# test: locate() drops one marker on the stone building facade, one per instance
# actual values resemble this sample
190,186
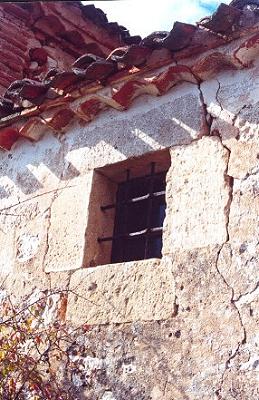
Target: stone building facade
183,326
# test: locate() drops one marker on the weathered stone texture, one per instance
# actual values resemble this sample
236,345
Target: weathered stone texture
150,124
47,170
7,251
24,233
197,196
68,215
232,101
99,223
119,293
181,328
239,258
235,110
183,357
241,378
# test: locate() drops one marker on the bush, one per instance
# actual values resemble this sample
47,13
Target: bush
34,348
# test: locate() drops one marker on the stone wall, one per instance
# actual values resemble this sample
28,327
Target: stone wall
184,327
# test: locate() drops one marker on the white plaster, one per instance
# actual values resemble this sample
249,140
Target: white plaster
252,247
50,312
108,396
27,247
251,365
3,294
248,298
87,367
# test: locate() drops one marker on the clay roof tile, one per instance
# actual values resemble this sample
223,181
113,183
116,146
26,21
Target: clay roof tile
225,20
67,58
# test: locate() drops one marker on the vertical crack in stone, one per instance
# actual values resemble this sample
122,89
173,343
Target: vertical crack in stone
217,95
229,182
207,116
48,229
244,335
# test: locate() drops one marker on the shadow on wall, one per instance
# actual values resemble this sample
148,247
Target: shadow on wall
151,124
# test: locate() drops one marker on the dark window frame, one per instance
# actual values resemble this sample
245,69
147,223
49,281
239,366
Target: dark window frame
151,202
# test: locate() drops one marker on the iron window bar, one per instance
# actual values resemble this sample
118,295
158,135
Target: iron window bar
125,215
149,210
121,235
151,231
134,200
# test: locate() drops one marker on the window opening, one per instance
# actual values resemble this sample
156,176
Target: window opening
139,216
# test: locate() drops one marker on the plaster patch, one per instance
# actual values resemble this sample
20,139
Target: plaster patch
108,396
27,247
251,365
3,295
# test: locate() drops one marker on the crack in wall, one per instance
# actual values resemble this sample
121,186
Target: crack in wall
244,334
229,182
48,229
248,296
217,95
228,179
207,115
35,197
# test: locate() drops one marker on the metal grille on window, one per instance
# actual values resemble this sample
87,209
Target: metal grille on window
139,216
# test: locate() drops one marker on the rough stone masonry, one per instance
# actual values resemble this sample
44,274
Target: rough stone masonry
183,327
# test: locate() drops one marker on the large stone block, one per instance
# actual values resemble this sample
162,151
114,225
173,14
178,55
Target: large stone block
197,196
67,225
141,290
152,123
99,223
31,228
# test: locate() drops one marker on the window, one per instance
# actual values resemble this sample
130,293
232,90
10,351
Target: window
139,216
127,210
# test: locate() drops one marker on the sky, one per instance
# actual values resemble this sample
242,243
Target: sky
143,17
